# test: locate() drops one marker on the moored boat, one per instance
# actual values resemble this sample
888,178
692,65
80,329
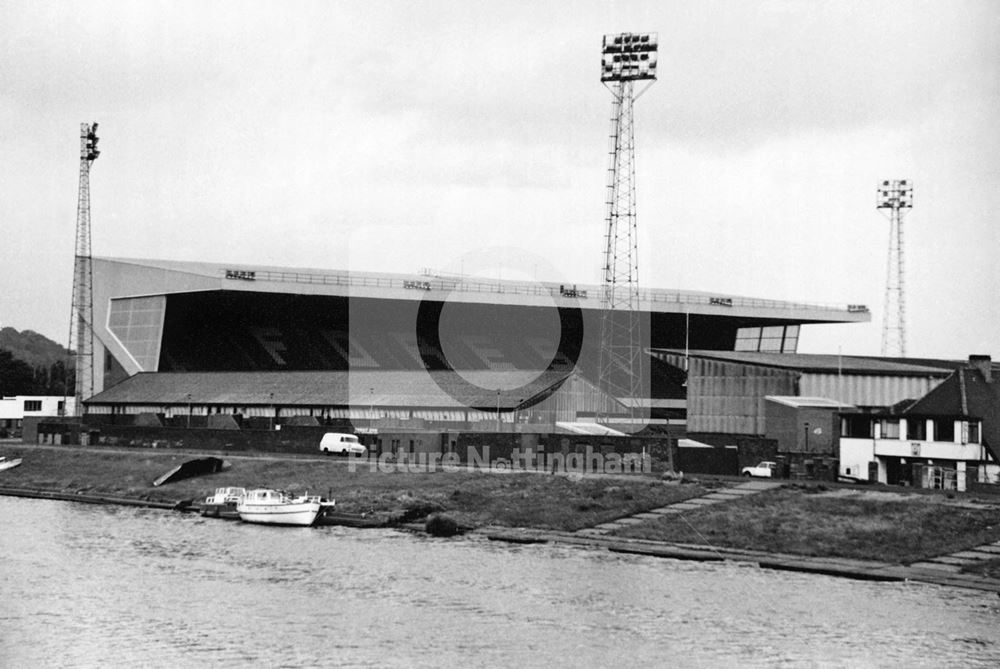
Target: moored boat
276,507
223,503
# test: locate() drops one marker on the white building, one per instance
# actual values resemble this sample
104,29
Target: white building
947,439
13,410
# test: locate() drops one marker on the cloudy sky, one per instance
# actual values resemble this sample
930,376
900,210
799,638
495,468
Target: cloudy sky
394,136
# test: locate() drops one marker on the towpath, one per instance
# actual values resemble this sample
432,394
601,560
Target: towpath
739,491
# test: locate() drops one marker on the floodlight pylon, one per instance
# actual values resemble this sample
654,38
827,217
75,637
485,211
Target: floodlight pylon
82,316
893,197
626,58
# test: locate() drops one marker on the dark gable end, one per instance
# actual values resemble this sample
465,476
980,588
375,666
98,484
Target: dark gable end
944,400
966,394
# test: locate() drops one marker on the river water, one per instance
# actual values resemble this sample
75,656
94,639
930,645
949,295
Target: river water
98,586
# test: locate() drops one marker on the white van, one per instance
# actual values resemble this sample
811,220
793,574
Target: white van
338,442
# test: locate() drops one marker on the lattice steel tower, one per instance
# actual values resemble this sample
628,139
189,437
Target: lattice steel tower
894,196
81,332
626,58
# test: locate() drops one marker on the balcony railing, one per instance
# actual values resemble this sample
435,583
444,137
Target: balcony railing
590,295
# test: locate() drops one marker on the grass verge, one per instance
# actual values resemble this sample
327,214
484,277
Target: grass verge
472,498
880,526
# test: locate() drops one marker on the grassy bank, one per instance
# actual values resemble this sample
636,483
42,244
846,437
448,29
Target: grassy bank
472,498
810,520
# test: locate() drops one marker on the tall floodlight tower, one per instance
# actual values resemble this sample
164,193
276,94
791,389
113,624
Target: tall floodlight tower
893,197
82,317
626,59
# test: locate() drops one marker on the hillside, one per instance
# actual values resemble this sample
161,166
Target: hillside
32,364
35,349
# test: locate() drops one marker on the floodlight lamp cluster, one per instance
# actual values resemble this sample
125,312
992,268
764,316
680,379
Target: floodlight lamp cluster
628,56
895,195
90,151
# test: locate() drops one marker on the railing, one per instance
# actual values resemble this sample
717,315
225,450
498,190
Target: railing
460,283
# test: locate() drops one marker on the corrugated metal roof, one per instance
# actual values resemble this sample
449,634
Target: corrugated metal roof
416,388
821,363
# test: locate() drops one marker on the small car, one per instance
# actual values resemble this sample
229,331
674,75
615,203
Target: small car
762,469
342,444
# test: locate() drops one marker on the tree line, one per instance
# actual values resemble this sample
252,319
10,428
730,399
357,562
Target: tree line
17,377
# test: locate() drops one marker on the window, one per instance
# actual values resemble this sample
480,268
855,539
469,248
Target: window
944,430
856,427
973,432
916,429
32,405
791,339
138,322
889,428
747,339
771,338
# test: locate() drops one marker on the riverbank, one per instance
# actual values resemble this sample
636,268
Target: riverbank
472,498
871,533
818,520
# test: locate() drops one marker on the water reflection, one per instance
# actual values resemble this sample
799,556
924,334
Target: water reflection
104,586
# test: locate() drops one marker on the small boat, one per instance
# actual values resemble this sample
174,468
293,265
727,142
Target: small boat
192,468
223,503
9,464
276,507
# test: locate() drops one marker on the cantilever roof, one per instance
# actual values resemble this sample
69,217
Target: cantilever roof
182,276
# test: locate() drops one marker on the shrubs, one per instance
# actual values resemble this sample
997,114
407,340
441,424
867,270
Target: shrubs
440,525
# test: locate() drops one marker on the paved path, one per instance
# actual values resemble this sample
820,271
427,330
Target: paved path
751,487
843,567
953,563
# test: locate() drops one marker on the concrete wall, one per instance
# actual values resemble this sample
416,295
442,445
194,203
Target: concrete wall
855,454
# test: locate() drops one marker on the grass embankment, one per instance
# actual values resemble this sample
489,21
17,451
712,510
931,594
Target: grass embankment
471,498
811,520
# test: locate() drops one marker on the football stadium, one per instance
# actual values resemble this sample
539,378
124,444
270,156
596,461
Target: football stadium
448,351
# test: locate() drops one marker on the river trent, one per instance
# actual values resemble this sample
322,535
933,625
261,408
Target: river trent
93,586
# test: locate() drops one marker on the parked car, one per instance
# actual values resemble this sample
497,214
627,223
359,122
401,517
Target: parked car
762,469
342,444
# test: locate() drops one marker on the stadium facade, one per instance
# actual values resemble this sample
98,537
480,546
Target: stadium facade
466,344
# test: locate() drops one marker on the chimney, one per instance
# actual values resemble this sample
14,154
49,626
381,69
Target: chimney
984,364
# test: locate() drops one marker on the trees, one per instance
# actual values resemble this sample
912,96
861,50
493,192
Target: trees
19,378
16,376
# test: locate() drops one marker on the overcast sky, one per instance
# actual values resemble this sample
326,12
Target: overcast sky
394,136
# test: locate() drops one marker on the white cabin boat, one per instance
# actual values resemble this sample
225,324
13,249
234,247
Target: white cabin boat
223,503
276,507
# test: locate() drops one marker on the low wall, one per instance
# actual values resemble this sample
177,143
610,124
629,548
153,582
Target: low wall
467,446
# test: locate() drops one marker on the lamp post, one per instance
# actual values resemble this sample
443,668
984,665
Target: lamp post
273,412
498,409
189,411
